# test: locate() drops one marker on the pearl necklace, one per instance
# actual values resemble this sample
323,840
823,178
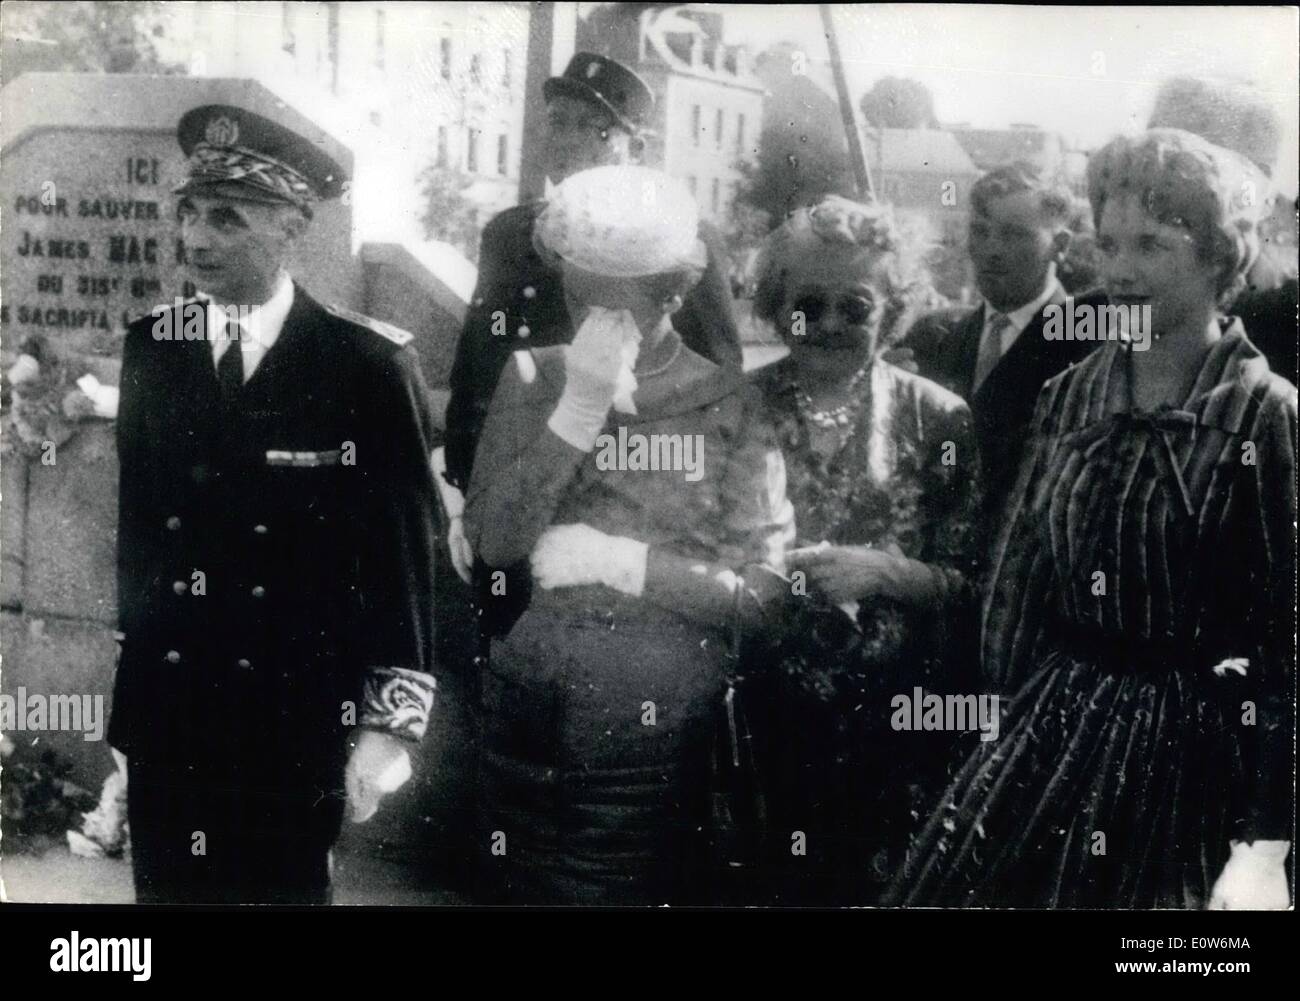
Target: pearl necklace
677,349
837,417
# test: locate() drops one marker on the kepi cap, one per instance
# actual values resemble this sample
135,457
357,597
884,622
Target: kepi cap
240,154
609,85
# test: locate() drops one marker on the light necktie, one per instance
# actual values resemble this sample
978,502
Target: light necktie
990,352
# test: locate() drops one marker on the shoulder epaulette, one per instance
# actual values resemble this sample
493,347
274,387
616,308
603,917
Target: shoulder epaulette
386,330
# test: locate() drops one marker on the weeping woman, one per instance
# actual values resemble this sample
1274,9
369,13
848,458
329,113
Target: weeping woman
622,489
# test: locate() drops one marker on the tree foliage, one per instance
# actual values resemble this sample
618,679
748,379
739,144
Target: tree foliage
802,151
103,36
898,103
449,214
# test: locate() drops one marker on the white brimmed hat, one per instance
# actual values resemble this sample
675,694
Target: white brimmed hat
623,222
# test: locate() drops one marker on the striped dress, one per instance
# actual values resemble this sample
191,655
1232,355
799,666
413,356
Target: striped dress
1140,621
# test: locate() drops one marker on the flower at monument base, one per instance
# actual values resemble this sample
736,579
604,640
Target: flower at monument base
43,403
104,830
37,799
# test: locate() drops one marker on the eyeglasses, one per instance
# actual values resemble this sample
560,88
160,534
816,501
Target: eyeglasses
854,309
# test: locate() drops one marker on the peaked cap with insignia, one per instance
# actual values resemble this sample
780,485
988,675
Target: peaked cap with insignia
609,85
239,154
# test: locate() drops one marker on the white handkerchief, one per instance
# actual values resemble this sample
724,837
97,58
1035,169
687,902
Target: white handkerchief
627,384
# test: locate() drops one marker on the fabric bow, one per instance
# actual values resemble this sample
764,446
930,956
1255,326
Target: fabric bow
1155,423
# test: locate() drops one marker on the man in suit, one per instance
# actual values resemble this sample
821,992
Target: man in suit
996,356
596,115
275,543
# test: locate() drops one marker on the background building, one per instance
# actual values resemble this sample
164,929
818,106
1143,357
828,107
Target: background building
406,85
708,103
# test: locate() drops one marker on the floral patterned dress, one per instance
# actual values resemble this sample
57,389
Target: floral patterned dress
835,768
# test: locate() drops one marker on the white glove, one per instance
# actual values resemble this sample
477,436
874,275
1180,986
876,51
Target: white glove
592,366
574,555
462,553
1253,878
379,764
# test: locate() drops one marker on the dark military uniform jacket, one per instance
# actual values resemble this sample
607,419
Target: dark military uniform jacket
275,554
519,302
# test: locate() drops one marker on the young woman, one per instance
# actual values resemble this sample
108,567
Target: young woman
1141,614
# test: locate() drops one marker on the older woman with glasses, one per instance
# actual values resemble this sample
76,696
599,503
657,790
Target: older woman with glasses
1141,614
881,471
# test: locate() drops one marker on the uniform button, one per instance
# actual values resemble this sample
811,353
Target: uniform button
259,591
260,529
173,657
244,663
524,331
530,292
180,587
173,524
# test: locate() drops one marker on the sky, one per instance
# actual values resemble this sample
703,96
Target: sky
1085,72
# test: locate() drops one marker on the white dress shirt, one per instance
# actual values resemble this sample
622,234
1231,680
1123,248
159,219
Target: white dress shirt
259,328
1021,317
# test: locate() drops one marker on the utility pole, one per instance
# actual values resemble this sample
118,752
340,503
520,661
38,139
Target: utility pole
861,174
552,28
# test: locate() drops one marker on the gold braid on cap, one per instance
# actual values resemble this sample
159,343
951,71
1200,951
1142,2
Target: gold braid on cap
209,164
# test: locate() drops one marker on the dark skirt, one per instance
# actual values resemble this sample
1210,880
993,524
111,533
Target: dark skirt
1106,789
597,730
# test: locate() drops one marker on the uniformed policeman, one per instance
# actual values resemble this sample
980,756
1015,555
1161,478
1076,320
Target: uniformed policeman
596,115
275,543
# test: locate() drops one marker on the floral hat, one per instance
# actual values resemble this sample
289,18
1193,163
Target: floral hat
623,222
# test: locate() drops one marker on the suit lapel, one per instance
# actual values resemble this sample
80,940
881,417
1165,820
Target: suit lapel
967,349
278,379
1031,353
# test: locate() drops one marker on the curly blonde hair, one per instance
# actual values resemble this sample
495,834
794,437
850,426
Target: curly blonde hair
1184,180
870,230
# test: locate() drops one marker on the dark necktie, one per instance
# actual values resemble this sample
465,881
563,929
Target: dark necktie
230,369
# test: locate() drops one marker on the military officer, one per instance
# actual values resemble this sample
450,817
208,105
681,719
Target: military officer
275,544
596,115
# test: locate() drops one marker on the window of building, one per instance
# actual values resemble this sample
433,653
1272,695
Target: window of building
690,183
715,195
695,124
442,146
471,151
476,69
506,79
717,127
379,39
503,151
740,135
444,58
